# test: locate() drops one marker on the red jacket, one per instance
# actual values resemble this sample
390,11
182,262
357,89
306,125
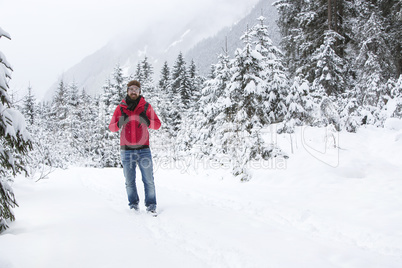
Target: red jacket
135,133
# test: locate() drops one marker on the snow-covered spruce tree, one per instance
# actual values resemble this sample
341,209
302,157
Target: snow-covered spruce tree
394,104
213,109
167,111
329,67
89,136
148,88
177,110
247,91
43,158
350,115
330,79
274,73
374,67
302,24
299,105
180,83
118,87
29,109
147,71
196,83
190,125
59,125
111,97
165,90
291,31
74,122
14,142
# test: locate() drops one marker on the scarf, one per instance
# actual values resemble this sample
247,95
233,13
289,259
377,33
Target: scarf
132,104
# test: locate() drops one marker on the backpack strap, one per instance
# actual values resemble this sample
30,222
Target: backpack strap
146,107
145,110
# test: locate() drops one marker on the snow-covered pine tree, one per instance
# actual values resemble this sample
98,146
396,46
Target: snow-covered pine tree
138,72
89,136
148,89
330,73
59,125
350,115
177,110
29,107
291,29
297,99
165,93
374,66
196,82
109,146
247,91
274,73
43,158
394,103
147,71
14,142
74,122
180,84
213,109
166,108
164,81
118,89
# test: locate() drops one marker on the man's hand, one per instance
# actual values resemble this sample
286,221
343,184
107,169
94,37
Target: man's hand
123,119
144,118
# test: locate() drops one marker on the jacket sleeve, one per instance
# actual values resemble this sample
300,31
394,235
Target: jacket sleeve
115,118
155,123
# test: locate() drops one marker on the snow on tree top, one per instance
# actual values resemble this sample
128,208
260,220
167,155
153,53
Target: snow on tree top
4,33
15,123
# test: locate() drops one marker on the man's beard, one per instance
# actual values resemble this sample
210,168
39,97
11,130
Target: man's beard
134,96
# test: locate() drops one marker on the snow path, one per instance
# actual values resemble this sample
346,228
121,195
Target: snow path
306,215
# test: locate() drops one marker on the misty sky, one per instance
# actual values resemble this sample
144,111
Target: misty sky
48,37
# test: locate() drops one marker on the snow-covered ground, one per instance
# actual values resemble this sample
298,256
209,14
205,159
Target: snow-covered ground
322,207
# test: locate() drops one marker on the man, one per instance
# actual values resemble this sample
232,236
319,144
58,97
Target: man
134,116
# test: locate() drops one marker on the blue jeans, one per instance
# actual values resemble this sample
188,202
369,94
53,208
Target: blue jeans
130,159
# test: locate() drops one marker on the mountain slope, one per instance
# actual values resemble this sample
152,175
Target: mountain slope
205,52
160,41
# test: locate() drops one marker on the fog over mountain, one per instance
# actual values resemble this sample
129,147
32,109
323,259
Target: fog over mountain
205,52
199,38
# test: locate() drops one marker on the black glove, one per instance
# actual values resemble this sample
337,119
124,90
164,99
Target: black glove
144,119
123,119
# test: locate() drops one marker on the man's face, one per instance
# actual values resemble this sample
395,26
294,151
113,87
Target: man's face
133,92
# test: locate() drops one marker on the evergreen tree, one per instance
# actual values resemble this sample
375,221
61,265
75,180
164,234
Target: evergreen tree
112,96
179,68
29,107
329,67
146,71
164,81
74,122
273,73
59,124
247,91
14,142
178,88
196,82
374,62
210,118
147,84
118,89
139,73
180,84
299,105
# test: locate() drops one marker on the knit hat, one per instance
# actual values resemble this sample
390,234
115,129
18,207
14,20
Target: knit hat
133,83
